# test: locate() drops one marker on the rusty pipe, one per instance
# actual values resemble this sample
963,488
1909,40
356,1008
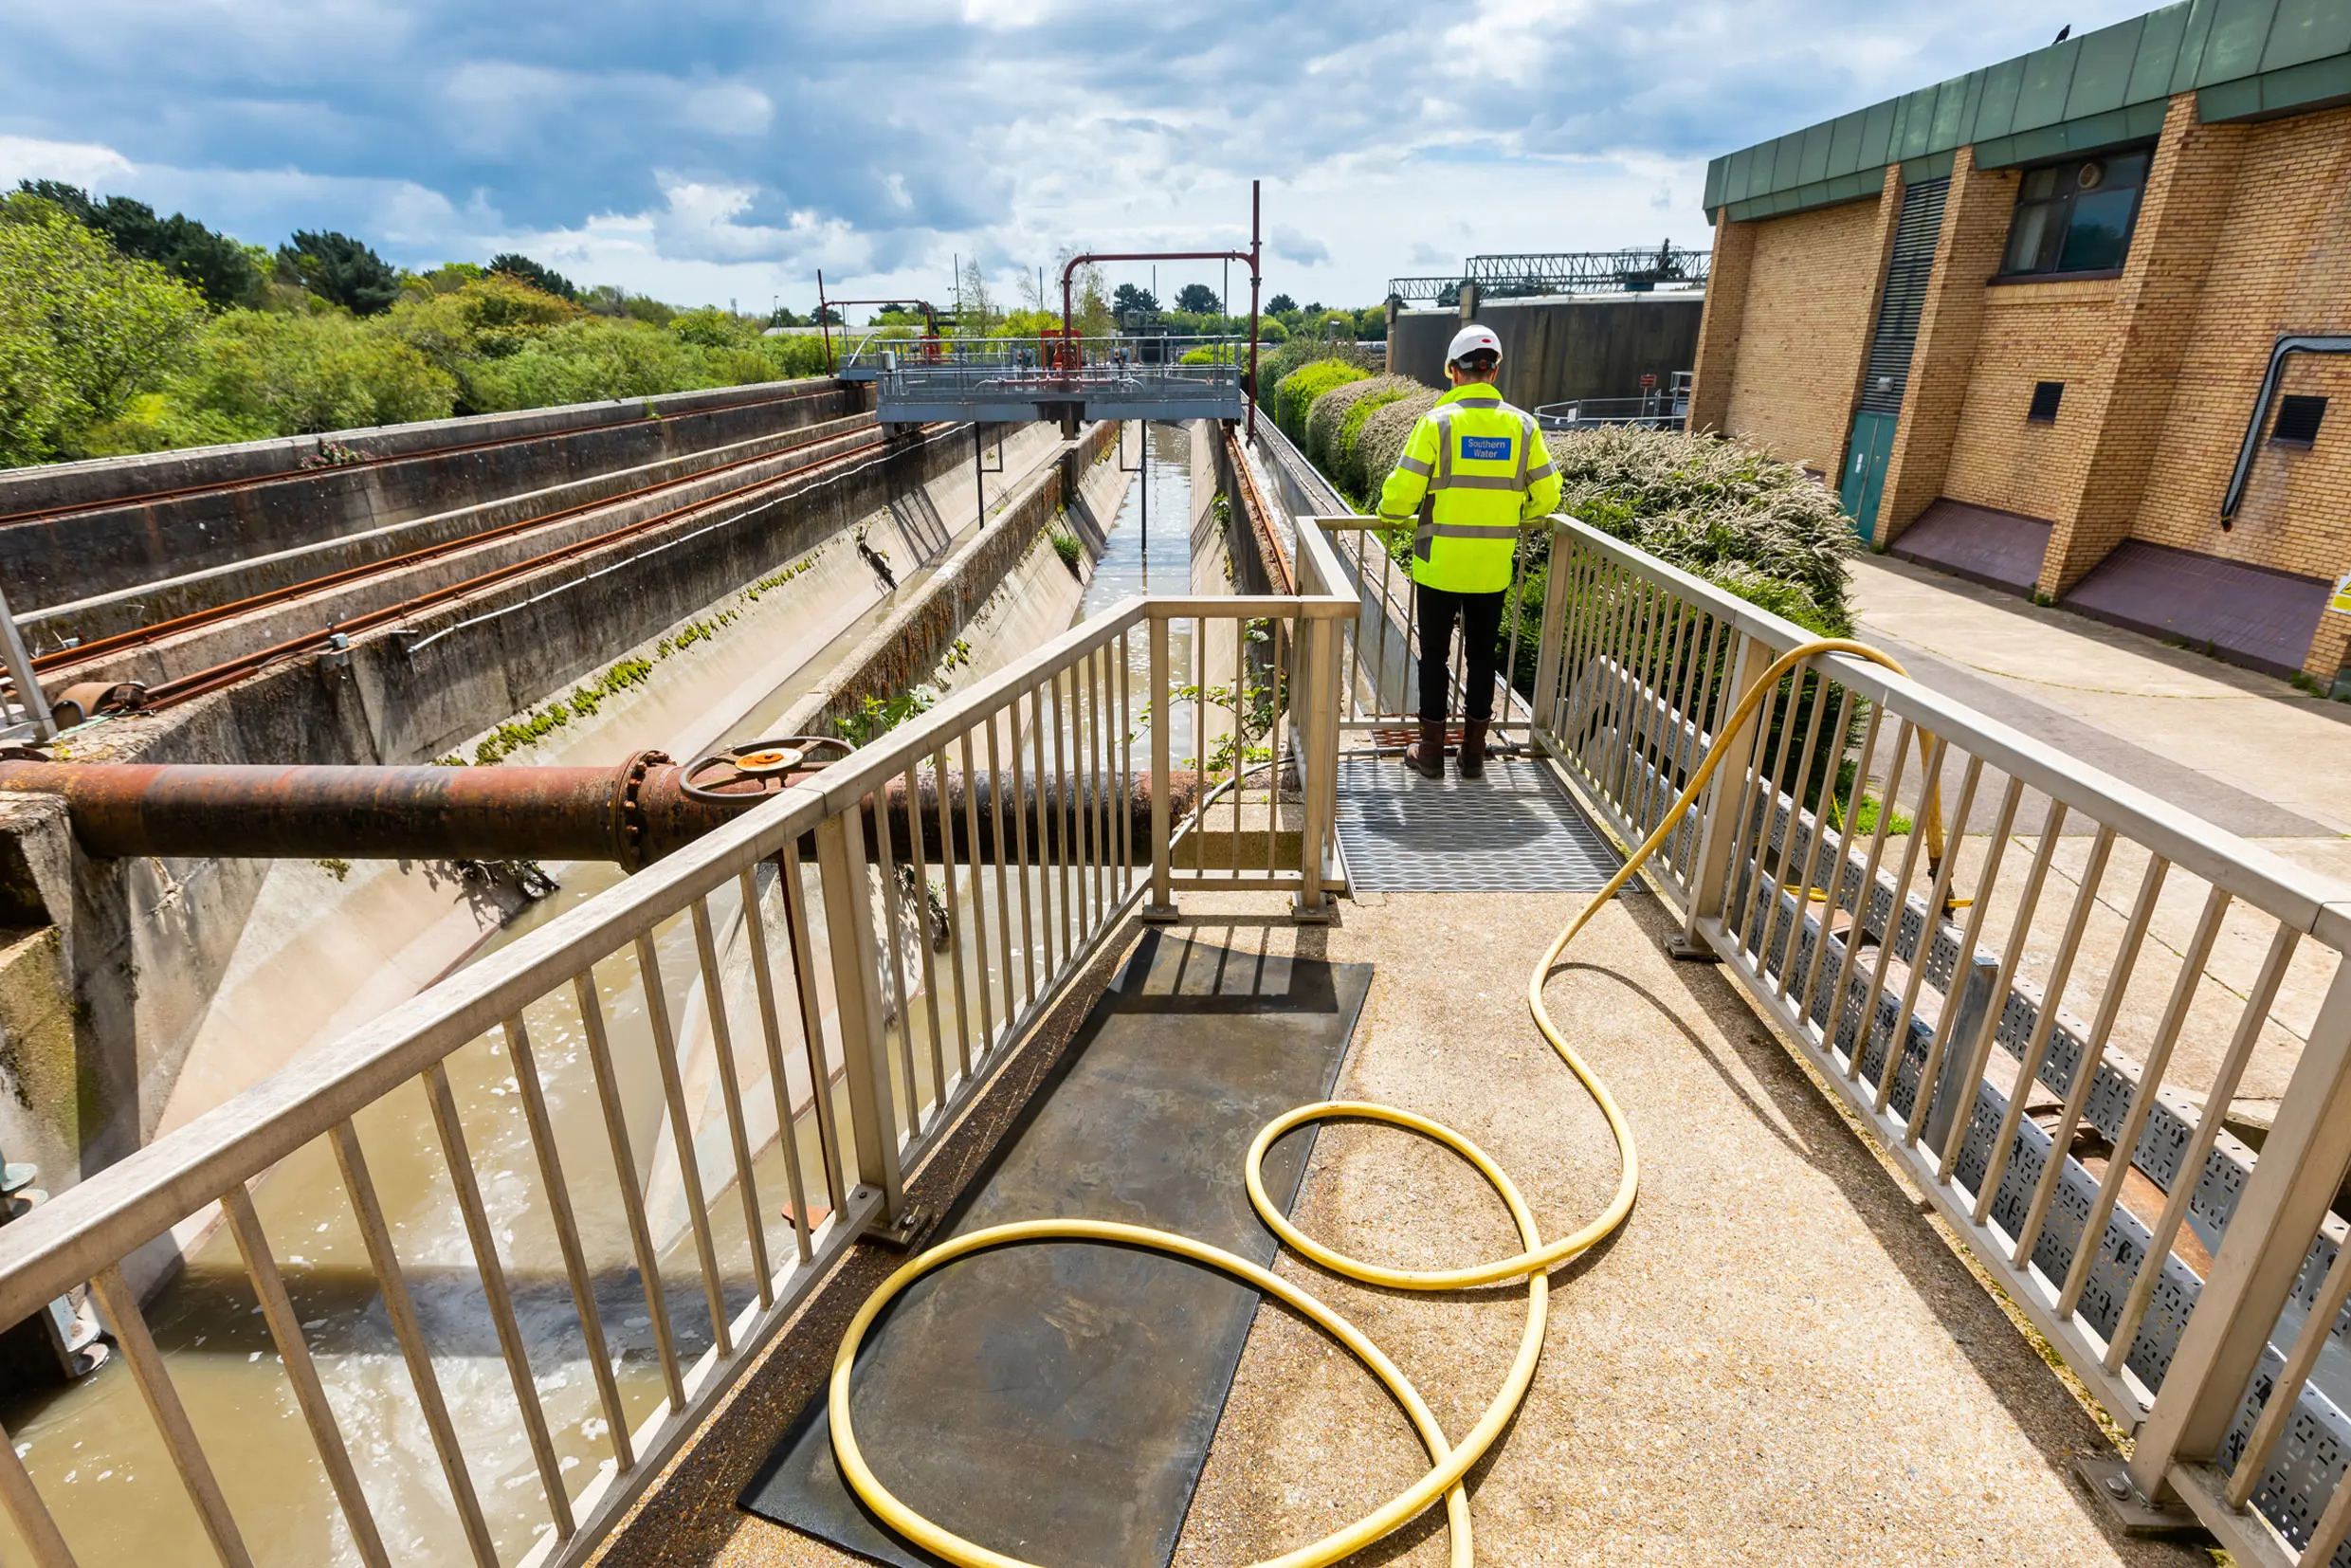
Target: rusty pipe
633,814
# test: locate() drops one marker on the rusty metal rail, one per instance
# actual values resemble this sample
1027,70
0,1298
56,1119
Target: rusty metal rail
284,476
200,682
63,659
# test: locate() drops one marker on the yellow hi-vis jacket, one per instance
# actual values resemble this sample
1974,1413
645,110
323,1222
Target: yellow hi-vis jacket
1473,469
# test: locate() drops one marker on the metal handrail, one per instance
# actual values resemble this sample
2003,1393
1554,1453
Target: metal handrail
1068,709
1640,659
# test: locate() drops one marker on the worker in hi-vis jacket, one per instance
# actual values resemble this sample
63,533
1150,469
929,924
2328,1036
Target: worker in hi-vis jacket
1474,470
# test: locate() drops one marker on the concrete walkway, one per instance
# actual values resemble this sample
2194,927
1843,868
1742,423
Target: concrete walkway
2247,751
1780,1359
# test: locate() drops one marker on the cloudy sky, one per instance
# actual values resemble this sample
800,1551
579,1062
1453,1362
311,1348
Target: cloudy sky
726,149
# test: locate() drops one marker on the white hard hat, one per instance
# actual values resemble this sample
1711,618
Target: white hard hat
1470,340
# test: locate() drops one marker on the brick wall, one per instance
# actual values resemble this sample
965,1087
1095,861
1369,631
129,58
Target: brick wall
2128,396
1813,283
2281,264
2031,331
1728,276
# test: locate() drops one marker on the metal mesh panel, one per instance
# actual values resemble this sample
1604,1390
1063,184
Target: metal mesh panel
1515,829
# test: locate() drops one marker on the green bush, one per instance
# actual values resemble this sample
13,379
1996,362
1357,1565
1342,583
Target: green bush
83,329
1735,516
1327,418
262,375
1295,395
1381,440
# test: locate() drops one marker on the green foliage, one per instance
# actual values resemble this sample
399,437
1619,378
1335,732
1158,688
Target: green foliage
711,328
878,716
523,269
256,374
1295,394
83,329
340,270
1380,442
106,346
212,263
1281,304
1729,513
1067,546
1198,299
1128,297
1328,431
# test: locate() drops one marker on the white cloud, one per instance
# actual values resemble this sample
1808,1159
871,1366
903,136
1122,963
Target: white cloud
75,162
1291,243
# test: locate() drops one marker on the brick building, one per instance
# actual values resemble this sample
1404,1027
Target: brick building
2077,324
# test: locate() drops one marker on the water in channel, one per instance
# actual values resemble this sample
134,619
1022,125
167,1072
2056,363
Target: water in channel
94,1451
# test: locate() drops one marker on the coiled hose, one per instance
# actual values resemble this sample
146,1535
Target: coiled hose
1448,1462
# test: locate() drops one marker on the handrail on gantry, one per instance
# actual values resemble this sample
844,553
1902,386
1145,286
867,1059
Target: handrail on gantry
1069,270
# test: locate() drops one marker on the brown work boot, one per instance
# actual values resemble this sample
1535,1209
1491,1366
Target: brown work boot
1472,759
1426,755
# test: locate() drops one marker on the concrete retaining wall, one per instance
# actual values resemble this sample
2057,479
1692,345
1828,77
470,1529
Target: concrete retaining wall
269,507
1555,349
904,651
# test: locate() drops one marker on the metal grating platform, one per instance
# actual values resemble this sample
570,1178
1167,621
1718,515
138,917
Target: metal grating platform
1515,829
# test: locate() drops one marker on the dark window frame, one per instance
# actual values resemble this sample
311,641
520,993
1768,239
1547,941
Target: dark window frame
2033,412
2291,405
2051,214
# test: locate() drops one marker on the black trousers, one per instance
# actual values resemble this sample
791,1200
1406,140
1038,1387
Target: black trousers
1480,621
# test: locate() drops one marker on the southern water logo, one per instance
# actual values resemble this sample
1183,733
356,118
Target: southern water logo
1485,449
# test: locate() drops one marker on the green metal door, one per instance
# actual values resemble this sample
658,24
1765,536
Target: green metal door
1865,469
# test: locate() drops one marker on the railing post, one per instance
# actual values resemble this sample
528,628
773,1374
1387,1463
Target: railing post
854,945
1161,905
2300,1168
1318,752
1718,809
1544,701
29,693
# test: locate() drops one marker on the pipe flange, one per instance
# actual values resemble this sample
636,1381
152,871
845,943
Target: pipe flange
750,769
630,827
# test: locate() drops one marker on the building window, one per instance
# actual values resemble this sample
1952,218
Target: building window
2044,396
2076,216
2297,421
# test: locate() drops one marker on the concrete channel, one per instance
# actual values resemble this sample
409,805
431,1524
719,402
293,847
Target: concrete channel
858,601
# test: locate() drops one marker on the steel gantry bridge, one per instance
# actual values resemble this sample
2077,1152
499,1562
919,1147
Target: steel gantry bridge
1520,274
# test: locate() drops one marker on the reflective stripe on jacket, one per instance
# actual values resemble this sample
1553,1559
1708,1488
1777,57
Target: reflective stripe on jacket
1473,471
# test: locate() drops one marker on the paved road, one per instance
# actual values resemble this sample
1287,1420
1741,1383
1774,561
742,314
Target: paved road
2248,752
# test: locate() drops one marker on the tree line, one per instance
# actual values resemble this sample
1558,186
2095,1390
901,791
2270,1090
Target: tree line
124,331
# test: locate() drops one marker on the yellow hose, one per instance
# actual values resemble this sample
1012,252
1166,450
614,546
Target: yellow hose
1447,1462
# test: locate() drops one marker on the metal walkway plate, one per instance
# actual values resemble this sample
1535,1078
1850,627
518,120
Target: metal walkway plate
1514,831
1057,1401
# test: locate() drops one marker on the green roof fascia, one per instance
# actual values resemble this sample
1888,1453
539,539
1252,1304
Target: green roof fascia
2296,89
2243,58
1855,186
1935,166
2139,123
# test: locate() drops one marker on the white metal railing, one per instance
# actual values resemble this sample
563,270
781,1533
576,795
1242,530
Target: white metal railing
1928,958
892,963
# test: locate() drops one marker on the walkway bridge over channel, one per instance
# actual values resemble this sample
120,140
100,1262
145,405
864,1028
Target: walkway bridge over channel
1968,1012
1056,380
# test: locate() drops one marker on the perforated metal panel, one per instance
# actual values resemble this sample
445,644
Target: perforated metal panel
1515,829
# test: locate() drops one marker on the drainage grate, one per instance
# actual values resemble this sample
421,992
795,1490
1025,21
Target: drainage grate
1516,830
